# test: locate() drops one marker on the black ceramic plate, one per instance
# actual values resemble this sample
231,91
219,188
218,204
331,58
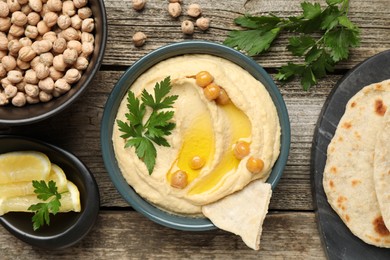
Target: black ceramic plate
338,241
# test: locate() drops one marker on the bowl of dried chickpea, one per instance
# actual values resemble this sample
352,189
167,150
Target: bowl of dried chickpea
50,50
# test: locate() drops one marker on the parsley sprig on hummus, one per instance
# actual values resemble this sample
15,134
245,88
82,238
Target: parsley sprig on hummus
143,133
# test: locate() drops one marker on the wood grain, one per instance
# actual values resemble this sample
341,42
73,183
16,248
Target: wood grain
128,235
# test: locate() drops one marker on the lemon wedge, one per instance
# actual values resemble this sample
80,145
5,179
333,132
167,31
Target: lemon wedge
23,166
70,201
25,188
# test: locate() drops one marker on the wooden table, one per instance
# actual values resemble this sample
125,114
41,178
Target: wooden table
290,229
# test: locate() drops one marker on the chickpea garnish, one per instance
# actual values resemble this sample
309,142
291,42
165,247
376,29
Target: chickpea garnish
203,79
212,91
254,165
223,98
241,149
179,179
197,162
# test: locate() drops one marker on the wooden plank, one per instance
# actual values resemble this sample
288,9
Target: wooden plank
161,29
78,130
127,234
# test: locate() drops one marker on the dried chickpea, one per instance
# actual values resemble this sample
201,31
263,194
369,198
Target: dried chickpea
42,27
46,84
138,5
23,2
197,162
5,82
241,149
23,65
5,24
3,99
80,3
179,179
26,53
13,46
87,37
10,91
59,45
58,63
42,46
20,86
139,39
3,43
42,70
54,5
50,19
8,62
46,58
254,165
75,45
50,36
31,90
70,56
212,91
36,5
70,34
55,74
76,22
45,9
31,31
68,8
14,76
25,41
45,97
203,78
3,72
33,18
34,62
18,18
30,77
174,9
32,100
16,30
26,9
194,10
64,21
87,49
61,86
13,5
2,54
203,23
81,63
72,76
84,12
187,27
19,99
4,9
87,25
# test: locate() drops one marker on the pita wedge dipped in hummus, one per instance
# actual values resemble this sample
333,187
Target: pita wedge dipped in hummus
226,134
349,172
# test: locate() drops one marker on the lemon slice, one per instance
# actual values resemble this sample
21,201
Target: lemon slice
25,188
70,201
23,166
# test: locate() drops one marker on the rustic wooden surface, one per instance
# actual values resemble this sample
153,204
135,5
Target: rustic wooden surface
290,229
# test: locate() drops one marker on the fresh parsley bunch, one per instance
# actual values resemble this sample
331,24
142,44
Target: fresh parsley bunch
324,37
143,134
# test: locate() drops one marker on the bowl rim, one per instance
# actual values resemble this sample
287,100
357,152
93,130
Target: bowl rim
87,217
123,85
89,78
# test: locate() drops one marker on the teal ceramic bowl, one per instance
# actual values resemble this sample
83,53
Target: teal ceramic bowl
120,90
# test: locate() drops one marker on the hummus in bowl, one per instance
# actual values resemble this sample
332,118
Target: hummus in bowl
254,114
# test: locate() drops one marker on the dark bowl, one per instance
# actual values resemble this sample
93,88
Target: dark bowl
120,90
10,115
65,229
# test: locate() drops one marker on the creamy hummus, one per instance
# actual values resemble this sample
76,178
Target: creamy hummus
205,129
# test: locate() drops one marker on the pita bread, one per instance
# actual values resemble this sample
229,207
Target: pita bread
243,212
348,175
382,170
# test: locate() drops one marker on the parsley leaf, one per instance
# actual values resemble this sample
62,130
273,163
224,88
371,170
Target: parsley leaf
143,134
42,210
324,37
